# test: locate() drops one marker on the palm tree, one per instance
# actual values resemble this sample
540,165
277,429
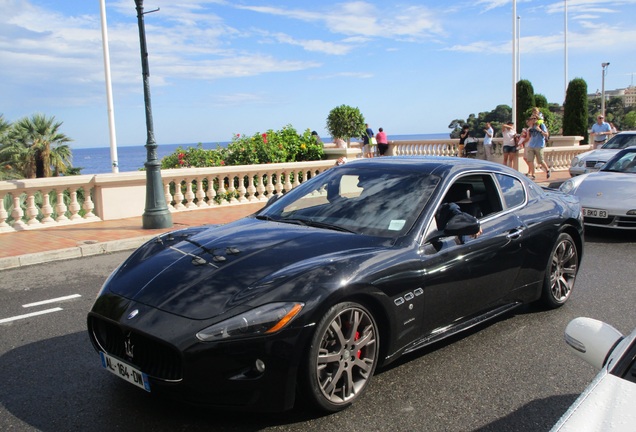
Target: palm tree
35,147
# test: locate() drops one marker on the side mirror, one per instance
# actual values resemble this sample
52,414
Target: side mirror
599,165
592,340
462,224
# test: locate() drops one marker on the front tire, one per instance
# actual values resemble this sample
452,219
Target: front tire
561,272
342,357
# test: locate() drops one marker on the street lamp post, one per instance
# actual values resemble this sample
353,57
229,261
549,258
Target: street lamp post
604,66
156,213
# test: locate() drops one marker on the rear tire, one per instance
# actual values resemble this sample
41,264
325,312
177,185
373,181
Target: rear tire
561,272
341,358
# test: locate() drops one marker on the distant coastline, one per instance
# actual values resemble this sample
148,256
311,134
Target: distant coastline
96,160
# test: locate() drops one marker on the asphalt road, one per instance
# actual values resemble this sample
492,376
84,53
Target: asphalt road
513,374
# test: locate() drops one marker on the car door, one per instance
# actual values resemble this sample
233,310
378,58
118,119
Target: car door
465,277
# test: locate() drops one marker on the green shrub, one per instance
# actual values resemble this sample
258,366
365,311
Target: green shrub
284,145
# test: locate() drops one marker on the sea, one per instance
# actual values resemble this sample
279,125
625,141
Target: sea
96,160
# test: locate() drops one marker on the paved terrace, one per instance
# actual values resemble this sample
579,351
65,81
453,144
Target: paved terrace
30,247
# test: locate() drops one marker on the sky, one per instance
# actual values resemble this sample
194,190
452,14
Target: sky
218,68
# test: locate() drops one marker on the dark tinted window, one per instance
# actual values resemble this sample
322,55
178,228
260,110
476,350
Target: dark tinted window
512,190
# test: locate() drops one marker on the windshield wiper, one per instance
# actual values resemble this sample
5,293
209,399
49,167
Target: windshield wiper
266,218
306,222
317,224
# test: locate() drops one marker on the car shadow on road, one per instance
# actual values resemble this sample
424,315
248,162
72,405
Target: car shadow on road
67,389
523,419
604,235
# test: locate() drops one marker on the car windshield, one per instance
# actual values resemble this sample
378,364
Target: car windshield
620,141
363,201
624,162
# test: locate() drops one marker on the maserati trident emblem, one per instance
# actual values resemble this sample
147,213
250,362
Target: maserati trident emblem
133,314
128,347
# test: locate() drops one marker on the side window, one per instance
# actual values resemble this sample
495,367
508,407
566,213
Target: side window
512,189
475,194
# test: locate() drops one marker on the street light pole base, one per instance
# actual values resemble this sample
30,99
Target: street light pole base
156,220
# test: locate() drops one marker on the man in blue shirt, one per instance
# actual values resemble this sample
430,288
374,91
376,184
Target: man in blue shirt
538,134
601,131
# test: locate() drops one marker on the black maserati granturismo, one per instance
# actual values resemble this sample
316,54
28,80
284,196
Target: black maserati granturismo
344,273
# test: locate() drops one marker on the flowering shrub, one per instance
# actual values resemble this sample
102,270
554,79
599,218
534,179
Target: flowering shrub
285,145
194,157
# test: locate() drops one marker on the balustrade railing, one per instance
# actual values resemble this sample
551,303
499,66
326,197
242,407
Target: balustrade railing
56,201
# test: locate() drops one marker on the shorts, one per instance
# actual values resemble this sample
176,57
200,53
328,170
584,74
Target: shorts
510,149
382,148
532,152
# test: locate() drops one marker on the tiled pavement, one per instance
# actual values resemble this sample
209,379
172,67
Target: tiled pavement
74,241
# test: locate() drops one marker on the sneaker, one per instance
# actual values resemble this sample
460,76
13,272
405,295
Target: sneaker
549,173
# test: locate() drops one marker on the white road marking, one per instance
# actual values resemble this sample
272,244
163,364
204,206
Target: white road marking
18,317
40,303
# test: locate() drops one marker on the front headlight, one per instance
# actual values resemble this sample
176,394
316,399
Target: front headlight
567,186
266,319
574,162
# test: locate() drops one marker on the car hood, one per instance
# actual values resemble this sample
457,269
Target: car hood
607,404
598,155
615,189
202,273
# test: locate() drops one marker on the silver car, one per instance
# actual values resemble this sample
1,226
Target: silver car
608,197
608,402
592,160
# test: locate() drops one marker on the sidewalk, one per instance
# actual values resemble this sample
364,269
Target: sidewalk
75,241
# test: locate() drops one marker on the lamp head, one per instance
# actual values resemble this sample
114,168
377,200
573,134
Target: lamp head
605,64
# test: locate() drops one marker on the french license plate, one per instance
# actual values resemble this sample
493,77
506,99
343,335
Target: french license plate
125,371
595,213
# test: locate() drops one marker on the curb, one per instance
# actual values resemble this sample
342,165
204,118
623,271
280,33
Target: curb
80,251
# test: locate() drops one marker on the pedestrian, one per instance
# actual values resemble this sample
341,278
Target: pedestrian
509,145
462,139
383,142
600,131
366,141
536,144
488,135
314,134
613,129
522,143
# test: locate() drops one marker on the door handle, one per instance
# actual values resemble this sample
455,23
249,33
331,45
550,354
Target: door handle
514,234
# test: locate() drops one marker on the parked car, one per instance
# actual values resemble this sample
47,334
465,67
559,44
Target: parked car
608,196
593,160
607,404
343,273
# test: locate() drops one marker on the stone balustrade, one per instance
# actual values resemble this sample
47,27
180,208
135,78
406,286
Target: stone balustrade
55,201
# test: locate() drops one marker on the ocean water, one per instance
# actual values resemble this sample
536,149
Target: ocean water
132,158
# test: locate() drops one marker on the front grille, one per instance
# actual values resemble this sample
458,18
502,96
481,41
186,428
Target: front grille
626,221
152,357
592,163
616,221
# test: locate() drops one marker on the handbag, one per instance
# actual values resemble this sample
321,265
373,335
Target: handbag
373,141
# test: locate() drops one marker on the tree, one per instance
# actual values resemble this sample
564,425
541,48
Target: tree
525,101
629,121
345,122
35,147
540,101
575,107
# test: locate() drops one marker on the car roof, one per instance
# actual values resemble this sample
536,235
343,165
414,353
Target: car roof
441,165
